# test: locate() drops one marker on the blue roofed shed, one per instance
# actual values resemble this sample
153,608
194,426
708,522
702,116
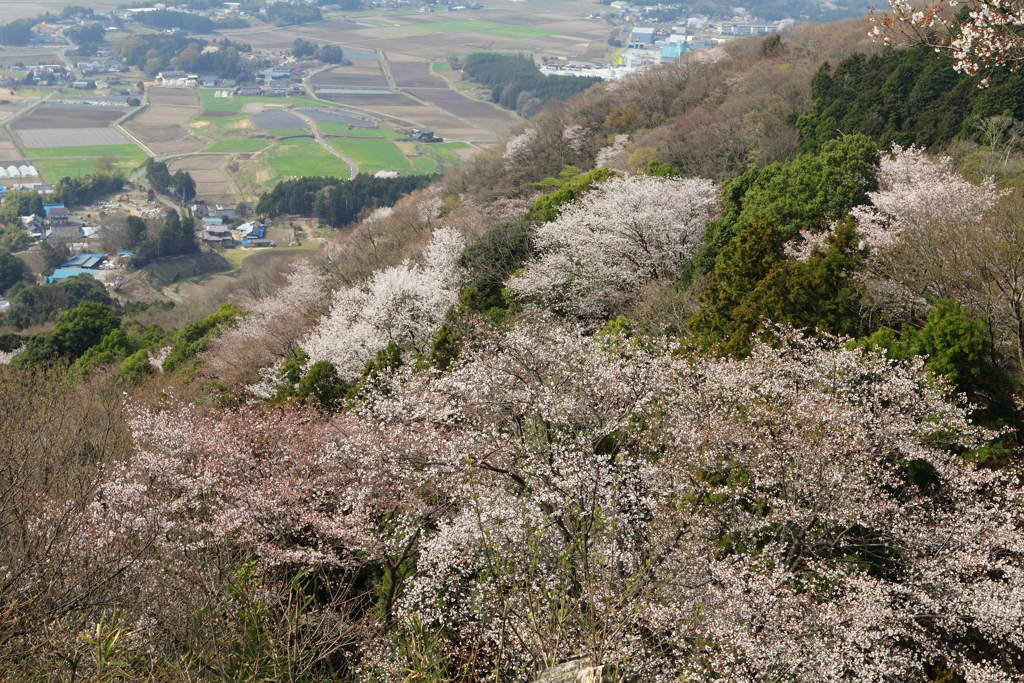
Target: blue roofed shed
62,273
85,261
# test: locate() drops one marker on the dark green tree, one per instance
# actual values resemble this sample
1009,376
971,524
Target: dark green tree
191,341
303,48
12,270
753,284
806,193
135,231
323,384
491,260
76,332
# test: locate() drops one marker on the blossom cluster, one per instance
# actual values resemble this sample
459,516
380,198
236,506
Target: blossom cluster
625,232
404,304
914,189
519,148
986,39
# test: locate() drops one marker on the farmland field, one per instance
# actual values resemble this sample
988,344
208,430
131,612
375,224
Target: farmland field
212,184
414,75
303,157
276,120
238,145
330,128
374,153
125,150
424,164
50,116
55,169
179,96
519,32
70,137
461,26
161,128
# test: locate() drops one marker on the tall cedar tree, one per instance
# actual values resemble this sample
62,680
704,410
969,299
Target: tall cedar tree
806,193
754,283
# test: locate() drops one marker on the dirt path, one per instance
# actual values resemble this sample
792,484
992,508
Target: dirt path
353,168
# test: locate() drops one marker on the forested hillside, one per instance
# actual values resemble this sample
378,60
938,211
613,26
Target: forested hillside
714,373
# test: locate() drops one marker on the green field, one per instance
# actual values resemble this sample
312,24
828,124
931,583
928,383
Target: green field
331,128
519,32
55,169
424,164
303,157
92,152
238,145
378,154
237,255
440,66
461,26
219,103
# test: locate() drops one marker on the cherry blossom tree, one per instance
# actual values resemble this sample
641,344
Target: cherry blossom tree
914,189
271,327
612,154
625,232
405,304
799,514
576,137
986,39
519,148
934,235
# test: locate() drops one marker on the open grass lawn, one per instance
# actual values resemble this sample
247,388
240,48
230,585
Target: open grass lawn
370,152
236,255
303,157
219,103
424,164
333,128
519,32
460,26
238,145
55,169
440,66
92,151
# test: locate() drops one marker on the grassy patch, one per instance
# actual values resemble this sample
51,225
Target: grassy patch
93,151
302,157
238,145
236,255
519,32
212,103
450,145
440,66
381,155
460,26
424,164
229,124
55,169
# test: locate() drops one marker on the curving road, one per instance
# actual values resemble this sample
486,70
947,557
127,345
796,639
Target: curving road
353,168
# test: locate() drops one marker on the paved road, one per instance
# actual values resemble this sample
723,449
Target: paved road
352,166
